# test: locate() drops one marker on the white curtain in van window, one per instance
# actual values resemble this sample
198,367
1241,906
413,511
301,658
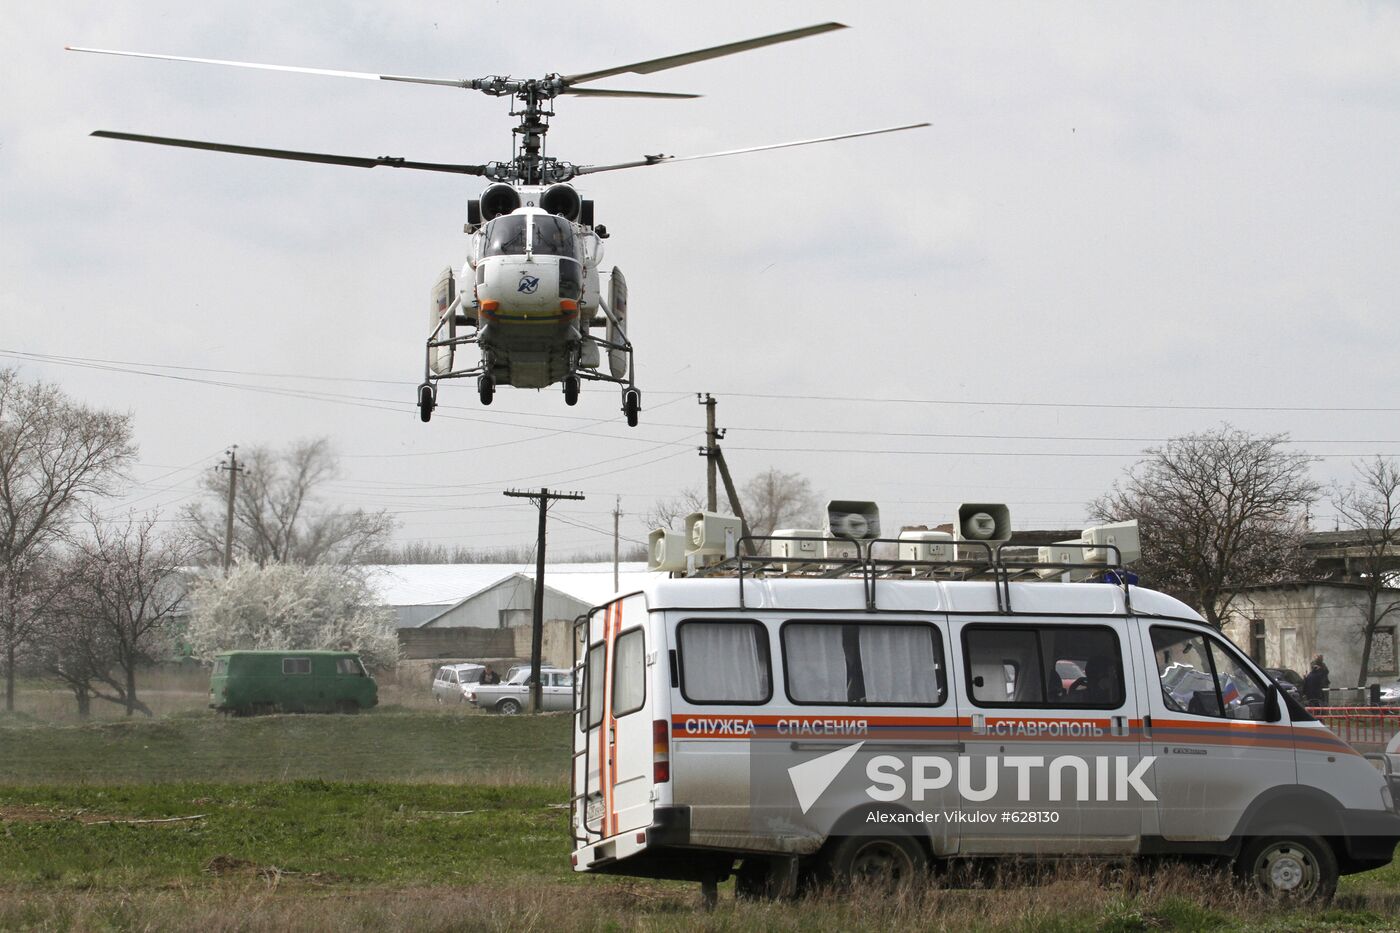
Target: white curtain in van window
816,663
898,664
722,662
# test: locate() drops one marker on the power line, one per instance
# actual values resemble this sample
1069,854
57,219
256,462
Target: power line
994,403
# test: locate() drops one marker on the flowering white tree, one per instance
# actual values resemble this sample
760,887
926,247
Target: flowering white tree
291,607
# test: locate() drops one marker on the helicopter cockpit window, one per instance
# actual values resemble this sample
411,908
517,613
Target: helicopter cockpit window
554,236
505,236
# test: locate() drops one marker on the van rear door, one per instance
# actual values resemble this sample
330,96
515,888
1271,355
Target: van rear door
617,720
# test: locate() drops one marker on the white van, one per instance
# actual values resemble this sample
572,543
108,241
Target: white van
807,725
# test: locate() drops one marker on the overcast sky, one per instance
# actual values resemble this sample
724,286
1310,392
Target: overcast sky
1127,221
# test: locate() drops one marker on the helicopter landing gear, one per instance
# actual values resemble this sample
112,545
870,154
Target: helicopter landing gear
486,388
631,404
427,401
571,384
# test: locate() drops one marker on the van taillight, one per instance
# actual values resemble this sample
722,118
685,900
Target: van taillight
660,751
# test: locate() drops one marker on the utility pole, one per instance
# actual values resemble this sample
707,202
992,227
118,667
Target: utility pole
710,450
715,464
233,469
617,547
542,499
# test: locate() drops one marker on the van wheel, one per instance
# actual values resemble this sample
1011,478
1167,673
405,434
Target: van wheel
882,861
348,707
1295,866
509,707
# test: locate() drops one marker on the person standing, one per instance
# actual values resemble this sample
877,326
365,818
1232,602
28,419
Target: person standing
1316,682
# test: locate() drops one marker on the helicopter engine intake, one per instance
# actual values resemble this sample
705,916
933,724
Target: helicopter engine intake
562,201
498,200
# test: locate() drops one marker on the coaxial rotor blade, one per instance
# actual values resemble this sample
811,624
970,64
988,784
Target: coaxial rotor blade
661,159
448,82
686,58
325,158
600,92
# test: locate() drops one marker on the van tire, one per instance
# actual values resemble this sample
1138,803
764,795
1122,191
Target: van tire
348,707
1292,865
508,707
885,861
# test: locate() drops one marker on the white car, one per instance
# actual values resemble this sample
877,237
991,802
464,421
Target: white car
513,695
452,681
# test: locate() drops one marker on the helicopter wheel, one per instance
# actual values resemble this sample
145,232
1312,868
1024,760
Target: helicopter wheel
486,388
631,404
571,385
427,401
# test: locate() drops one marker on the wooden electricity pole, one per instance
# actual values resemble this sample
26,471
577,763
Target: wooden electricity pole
715,464
711,449
233,469
542,499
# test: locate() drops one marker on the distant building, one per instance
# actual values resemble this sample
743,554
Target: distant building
484,611
492,595
1287,624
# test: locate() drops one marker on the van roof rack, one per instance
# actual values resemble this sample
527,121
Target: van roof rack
1002,564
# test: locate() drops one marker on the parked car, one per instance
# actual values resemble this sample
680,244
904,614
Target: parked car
1390,694
1289,681
452,681
250,682
513,694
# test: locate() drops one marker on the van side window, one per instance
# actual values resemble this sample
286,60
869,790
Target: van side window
629,673
349,666
1241,694
1202,677
1185,672
724,662
296,665
1003,666
1047,666
593,684
863,663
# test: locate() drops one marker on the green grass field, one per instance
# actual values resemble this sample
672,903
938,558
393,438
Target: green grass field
443,821
397,745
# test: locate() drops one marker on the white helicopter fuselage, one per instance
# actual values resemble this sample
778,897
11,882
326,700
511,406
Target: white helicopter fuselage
533,291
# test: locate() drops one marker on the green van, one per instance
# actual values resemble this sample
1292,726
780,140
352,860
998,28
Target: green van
251,682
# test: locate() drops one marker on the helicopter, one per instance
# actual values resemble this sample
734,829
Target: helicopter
529,296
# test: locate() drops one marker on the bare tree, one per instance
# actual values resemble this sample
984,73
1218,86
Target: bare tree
54,455
128,585
774,499
73,648
279,514
669,513
1217,510
1370,508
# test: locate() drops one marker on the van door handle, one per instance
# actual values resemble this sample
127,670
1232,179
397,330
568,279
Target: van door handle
1118,725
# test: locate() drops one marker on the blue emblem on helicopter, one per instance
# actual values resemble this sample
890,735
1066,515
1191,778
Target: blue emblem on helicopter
528,283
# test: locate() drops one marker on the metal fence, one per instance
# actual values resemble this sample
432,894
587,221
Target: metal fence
1366,728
